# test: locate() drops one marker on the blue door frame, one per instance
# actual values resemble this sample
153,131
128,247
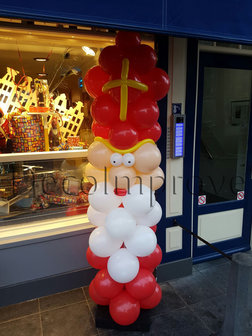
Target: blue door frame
233,245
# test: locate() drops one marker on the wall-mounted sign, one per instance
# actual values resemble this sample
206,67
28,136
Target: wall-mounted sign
202,199
240,195
176,108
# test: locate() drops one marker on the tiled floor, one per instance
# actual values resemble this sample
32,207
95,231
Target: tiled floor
191,306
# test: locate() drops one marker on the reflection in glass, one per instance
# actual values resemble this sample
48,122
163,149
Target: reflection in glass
42,189
224,133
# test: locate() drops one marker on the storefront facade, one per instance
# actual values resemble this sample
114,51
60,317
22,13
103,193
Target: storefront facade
207,190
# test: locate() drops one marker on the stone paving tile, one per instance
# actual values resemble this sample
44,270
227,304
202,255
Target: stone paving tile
170,300
194,288
211,263
26,326
180,322
61,299
18,310
211,311
86,293
71,320
218,275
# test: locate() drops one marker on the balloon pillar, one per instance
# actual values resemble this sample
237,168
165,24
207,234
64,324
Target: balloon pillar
124,168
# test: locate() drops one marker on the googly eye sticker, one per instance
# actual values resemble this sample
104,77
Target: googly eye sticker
116,159
128,160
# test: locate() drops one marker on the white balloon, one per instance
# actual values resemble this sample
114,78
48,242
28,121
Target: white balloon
152,217
140,200
120,223
102,197
95,217
123,266
143,242
102,244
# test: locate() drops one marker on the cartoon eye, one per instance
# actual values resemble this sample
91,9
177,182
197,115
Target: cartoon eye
116,159
128,160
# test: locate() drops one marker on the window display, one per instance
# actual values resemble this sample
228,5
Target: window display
45,119
44,108
56,185
43,103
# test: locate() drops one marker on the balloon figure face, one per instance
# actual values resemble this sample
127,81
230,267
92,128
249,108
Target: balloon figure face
141,166
124,170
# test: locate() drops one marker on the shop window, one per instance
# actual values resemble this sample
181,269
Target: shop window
45,121
37,190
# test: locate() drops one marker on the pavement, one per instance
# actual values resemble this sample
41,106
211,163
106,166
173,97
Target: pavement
190,306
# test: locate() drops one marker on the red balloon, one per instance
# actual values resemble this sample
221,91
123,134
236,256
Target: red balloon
94,80
95,261
154,228
124,309
123,136
110,59
158,83
153,133
99,130
153,300
143,285
126,39
143,113
106,286
142,58
96,297
105,110
153,260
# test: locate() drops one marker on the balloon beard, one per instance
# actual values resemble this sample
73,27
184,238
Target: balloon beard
125,172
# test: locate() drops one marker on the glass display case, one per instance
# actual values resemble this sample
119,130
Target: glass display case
43,189
45,119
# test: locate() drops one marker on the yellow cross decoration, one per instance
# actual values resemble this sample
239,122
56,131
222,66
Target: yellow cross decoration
124,82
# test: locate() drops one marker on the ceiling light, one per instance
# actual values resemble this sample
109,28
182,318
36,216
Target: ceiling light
40,59
42,74
88,51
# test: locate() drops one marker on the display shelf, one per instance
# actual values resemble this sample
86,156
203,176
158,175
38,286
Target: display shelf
35,156
44,228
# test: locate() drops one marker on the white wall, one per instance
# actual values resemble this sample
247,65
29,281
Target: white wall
174,167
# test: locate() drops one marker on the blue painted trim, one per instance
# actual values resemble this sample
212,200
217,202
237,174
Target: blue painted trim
215,255
215,207
162,47
235,245
217,20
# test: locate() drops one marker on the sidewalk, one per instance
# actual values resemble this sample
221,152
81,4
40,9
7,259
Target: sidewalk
191,306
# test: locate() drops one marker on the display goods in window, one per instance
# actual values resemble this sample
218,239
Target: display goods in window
35,118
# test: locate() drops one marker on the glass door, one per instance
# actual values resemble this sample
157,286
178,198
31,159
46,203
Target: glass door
222,168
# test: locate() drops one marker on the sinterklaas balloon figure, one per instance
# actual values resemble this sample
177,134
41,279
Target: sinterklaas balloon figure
124,168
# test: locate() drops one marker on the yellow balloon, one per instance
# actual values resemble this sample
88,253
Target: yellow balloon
124,83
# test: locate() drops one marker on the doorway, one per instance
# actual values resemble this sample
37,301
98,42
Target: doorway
223,150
